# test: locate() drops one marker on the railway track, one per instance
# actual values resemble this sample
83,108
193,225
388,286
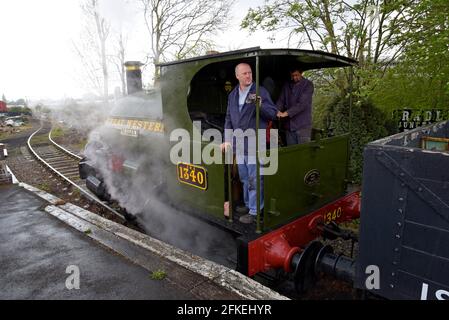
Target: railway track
64,164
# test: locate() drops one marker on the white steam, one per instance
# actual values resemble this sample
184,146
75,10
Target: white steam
137,189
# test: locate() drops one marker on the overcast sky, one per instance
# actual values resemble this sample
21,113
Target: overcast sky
37,59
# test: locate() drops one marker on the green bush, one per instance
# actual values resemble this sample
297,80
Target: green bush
368,123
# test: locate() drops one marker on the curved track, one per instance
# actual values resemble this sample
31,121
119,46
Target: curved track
64,163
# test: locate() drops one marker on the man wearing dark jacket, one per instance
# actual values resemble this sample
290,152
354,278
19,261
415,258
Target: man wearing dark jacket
241,114
295,108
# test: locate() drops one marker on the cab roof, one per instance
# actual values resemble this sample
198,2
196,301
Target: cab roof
309,59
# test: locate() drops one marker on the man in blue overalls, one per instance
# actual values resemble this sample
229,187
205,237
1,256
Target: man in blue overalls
241,114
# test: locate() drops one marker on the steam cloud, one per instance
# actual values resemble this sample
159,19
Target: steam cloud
144,160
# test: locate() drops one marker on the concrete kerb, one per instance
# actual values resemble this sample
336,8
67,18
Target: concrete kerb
14,179
220,275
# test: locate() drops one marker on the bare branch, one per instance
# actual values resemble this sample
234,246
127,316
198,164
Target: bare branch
180,28
96,35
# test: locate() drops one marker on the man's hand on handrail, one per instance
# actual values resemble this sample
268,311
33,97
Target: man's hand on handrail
281,114
225,146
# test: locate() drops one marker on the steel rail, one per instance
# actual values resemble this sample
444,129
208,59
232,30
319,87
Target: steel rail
62,148
87,194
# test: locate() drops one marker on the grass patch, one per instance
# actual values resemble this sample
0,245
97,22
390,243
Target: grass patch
57,132
25,127
353,225
4,135
76,192
11,131
14,152
44,186
158,275
81,145
38,139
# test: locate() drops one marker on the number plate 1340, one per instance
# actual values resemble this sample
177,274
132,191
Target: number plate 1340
192,175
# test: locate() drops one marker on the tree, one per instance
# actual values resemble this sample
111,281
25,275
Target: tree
102,33
92,50
365,30
180,28
419,80
119,59
19,110
21,102
368,123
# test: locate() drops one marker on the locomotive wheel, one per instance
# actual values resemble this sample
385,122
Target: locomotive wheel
304,275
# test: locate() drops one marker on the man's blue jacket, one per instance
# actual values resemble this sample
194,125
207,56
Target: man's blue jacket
246,119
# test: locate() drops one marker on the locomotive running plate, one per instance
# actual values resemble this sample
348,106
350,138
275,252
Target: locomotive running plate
192,175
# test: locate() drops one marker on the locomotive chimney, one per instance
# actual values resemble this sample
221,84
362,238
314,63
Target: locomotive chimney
133,76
